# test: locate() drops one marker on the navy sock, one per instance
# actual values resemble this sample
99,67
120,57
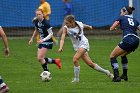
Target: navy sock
45,67
49,60
114,63
124,65
124,60
115,66
1,81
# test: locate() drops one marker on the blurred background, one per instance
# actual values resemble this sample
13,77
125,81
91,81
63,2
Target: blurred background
16,15
21,70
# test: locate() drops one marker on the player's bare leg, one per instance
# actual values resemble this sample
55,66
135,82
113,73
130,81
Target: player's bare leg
76,58
90,63
114,63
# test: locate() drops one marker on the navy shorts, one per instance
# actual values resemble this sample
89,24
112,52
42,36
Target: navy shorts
129,43
49,46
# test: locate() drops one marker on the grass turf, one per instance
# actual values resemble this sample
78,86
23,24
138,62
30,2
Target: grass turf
21,70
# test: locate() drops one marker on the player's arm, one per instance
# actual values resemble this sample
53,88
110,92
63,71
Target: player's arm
49,36
64,32
139,27
48,11
4,38
60,31
33,36
88,27
115,24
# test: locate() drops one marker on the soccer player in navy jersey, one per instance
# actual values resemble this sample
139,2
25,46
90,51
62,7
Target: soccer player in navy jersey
3,87
42,27
129,43
46,9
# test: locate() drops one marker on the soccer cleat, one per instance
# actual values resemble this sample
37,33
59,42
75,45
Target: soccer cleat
58,63
116,79
110,75
4,89
124,77
75,80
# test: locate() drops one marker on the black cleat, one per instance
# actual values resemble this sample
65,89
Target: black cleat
116,79
124,77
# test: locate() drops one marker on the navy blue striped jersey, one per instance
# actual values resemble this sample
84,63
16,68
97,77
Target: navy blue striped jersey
128,24
42,28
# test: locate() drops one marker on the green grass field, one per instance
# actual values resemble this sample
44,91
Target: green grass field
21,70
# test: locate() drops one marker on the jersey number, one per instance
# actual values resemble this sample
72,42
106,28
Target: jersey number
130,21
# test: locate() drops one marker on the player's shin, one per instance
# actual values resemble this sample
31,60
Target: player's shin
49,60
100,69
115,67
125,68
54,61
124,65
45,66
76,73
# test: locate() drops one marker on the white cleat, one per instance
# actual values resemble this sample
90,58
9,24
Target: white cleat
75,80
110,75
4,89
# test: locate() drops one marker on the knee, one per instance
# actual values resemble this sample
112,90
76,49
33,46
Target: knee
40,59
75,60
112,56
90,64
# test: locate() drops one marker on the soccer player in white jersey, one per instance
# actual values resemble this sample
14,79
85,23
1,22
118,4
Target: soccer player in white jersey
81,45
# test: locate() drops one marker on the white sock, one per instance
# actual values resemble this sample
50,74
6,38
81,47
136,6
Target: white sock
98,68
50,60
2,85
76,72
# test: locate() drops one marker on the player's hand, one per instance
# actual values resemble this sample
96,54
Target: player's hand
115,29
39,41
30,42
34,19
90,28
60,50
7,51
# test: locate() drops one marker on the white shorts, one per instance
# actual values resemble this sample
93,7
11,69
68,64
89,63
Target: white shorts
82,44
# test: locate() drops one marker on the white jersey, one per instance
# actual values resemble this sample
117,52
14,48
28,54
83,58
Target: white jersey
77,37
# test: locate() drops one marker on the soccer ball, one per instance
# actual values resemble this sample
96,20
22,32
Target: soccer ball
45,76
